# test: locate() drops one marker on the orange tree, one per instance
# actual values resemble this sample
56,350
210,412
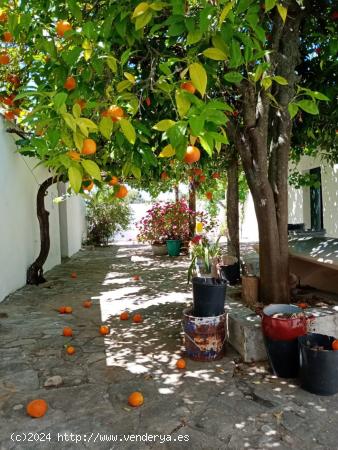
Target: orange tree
115,88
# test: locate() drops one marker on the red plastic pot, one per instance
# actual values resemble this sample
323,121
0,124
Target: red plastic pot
284,329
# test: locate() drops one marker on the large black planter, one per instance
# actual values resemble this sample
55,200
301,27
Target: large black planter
209,296
231,273
318,364
283,357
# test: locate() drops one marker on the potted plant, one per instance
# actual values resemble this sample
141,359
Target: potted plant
203,255
152,229
176,217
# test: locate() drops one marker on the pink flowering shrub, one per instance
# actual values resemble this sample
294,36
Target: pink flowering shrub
151,227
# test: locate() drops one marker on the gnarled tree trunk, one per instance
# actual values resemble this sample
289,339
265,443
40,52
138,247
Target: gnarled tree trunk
232,207
35,270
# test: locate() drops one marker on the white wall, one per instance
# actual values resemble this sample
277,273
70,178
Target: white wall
299,199
19,227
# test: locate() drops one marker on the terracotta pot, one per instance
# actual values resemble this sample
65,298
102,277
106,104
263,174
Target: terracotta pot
159,249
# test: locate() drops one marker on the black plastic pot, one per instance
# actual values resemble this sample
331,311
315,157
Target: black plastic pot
318,364
231,273
283,357
209,296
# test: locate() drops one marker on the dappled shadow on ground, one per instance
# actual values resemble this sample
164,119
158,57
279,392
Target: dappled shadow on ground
223,404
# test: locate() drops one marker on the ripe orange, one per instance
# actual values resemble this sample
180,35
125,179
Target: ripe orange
122,192
67,331
189,87
75,156
37,408
192,154
215,175
3,17
68,310
82,103
137,318
124,315
4,58
62,309
70,84
73,275
164,176
87,184
115,113
208,195
181,364
70,350
136,277
88,147
202,178
104,329
135,399
87,304
335,345
62,26
114,180
7,36
9,115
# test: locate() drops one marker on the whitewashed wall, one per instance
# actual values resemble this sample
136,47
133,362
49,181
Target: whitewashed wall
299,199
19,227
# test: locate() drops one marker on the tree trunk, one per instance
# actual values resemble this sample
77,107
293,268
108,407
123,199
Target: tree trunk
232,207
176,191
35,270
192,207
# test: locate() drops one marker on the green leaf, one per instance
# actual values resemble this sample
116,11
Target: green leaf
143,20
215,54
70,121
199,77
233,77
158,6
59,100
207,143
197,124
87,123
76,110
235,54
194,37
112,63
280,80
130,77
266,82
75,178
140,9
128,130
92,169
183,104
164,125
136,171
78,140
123,85
106,127
167,152
282,12
270,4
224,14
293,110
319,96
258,72
308,106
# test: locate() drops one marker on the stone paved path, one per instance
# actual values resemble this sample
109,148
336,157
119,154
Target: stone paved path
221,405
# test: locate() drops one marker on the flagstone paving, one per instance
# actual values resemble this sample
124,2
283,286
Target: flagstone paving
220,405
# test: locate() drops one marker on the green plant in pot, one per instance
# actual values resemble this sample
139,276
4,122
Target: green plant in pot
152,229
203,256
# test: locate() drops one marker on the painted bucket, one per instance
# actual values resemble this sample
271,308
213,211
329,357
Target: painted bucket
174,247
204,337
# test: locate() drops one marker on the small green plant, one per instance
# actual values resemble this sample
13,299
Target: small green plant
203,250
106,216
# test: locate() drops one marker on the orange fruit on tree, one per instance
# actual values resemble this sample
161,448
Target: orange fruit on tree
68,310
115,113
335,344
7,36
189,87
104,329
62,309
3,17
87,304
208,195
164,176
70,84
4,58
67,331
37,408
88,147
137,318
114,181
73,275
87,184
82,103
75,156
135,399
70,350
202,178
62,26
181,364
215,175
9,115
192,154
124,315
122,192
